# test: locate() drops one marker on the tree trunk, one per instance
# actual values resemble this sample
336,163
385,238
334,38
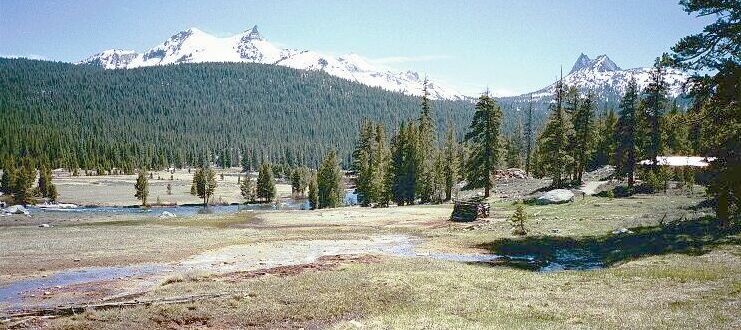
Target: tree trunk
721,211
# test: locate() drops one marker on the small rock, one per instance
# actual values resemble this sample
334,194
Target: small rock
622,231
167,215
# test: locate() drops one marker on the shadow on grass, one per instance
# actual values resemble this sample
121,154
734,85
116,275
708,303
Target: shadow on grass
546,253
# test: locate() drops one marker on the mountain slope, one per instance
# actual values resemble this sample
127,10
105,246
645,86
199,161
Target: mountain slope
196,46
67,115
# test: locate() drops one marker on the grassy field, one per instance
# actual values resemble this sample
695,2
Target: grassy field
118,190
674,269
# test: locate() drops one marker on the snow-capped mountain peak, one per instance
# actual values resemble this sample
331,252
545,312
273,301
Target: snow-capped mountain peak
252,34
600,64
608,81
604,64
581,62
195,46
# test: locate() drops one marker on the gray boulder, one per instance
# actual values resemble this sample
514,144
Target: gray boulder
16,209
556,196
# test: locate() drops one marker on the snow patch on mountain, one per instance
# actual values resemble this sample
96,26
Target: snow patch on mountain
196,46
607,80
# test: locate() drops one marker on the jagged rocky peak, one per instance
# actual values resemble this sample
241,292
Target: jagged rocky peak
582,62
603,63
600,64
251,34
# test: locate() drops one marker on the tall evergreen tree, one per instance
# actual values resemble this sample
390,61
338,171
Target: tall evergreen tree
625,133
265,183
313,192
717,48
362,164
329,182
655,100
583,134
554,158
514,147
204,183
247,189
24,181
529,136
402,180
427,144
676,132
450,162
605,145
142,187
46,187
7,182
483,140
380,157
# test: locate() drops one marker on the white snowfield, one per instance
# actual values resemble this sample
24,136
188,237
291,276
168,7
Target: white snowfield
695,161
196,46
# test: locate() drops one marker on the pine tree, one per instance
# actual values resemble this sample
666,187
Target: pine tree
514,147
265,183
554,158
329,180
246,161
313,192
654,103
583,135
529,136
625,133
379,163
676,132
402,179
7,182
24,181
518,220
483,139
142,187
362,163
204,183
247,189
46,188
450,162
605,145
427,147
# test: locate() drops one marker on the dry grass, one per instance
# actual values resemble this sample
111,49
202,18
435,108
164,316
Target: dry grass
667,290
673,291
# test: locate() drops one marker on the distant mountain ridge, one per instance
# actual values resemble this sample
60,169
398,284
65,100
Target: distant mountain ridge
608,81
196,46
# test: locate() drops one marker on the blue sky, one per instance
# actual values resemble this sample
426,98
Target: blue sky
508,46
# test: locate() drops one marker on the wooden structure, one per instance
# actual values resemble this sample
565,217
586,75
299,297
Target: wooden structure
467,211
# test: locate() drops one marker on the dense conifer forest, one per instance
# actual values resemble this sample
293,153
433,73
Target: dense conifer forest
76,116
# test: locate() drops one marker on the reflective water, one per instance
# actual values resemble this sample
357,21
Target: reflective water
183,210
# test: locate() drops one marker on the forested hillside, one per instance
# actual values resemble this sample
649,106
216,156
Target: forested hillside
73,116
